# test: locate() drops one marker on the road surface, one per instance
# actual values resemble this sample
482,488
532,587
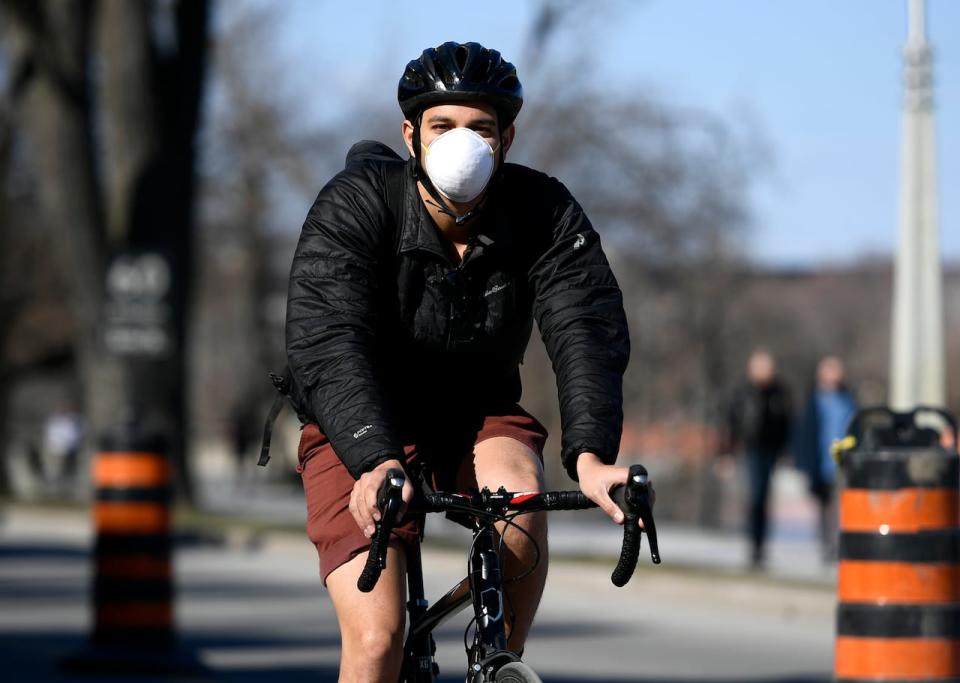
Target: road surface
253,610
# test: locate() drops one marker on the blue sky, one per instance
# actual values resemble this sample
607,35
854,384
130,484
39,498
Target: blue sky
819,80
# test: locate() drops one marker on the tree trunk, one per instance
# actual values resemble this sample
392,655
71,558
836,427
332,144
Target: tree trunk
55,112
129,109
151,102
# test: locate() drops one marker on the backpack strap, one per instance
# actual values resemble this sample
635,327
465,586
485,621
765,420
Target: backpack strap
396,171
395,189
279,400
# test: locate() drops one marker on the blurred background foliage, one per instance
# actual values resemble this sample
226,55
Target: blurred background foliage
127,123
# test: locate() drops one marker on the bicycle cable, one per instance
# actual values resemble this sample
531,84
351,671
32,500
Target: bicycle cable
466,631
508,520
524,574
473,619
536,547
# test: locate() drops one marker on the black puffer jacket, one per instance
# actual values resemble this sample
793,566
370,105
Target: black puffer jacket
759,417
387,337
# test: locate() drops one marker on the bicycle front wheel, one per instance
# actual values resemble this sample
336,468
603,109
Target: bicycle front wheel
517,672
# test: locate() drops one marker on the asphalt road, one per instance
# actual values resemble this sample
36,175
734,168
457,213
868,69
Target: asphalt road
253,610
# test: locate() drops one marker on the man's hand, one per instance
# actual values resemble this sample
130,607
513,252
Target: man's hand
597,480
363,499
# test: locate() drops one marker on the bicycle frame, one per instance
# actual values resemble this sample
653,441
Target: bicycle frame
483,586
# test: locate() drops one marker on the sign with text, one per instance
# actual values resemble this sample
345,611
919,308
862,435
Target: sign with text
137,311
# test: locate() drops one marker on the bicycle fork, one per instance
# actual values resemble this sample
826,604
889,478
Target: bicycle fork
489,651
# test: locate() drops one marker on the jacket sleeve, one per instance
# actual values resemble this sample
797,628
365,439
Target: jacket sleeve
578,307
331,320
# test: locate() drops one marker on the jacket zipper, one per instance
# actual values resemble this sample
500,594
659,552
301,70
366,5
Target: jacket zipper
451,318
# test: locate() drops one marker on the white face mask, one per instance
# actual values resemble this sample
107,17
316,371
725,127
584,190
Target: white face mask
460,163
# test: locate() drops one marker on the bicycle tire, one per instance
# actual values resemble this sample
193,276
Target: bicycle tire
516,672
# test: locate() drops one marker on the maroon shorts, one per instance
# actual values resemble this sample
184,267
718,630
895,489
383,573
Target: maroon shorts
328,484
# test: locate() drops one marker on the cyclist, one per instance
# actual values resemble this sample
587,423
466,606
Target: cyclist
410,305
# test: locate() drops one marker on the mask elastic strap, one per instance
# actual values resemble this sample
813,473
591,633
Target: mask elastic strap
424,178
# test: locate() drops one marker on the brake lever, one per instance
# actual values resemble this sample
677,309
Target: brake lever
645,512
389,500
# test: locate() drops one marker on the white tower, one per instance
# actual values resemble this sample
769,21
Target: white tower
917,357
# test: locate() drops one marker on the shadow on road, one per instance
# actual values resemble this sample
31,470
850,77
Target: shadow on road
41,551
50,576
34,658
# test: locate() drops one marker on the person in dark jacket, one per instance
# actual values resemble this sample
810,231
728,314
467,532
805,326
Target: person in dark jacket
410,305
758,421
825,418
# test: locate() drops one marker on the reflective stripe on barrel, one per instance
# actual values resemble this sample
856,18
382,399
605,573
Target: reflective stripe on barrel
905,510
898,587
133,587
886,659
897,582
130,469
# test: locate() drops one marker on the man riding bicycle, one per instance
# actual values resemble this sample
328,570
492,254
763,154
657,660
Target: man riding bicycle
412,295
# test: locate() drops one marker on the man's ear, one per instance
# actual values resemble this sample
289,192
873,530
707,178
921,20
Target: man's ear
406,129
507,138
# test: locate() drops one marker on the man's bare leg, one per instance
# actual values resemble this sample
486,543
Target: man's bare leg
502,461
371,624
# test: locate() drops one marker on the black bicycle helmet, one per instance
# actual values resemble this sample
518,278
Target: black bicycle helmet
457,72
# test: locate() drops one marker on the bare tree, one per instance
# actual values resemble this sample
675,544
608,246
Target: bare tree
263,166
114,147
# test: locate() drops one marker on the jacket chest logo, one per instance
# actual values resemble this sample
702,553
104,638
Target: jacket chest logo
496,288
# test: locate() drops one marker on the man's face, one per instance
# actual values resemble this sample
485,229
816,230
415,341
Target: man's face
761,368
478,117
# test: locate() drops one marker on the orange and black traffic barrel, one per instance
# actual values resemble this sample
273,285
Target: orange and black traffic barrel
133,578
133,588
898,617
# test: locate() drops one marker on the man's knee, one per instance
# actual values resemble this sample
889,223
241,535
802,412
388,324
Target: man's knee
374,643
371,624
503,461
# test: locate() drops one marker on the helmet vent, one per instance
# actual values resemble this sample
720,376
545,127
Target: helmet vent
413,79
461,57
454,72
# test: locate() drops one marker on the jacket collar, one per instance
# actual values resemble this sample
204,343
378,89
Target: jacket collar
419,233
418,230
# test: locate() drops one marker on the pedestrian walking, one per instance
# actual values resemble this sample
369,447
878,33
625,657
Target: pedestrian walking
62,439
825,419
758,424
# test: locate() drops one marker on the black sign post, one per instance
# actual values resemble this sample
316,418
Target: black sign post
134,625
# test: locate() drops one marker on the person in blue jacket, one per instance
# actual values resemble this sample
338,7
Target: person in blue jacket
825,419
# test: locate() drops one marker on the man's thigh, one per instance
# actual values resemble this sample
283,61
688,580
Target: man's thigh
327,487
384,605
501,461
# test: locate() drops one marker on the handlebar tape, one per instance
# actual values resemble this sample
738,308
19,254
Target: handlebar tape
389,501
567,500
634,500
630,550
